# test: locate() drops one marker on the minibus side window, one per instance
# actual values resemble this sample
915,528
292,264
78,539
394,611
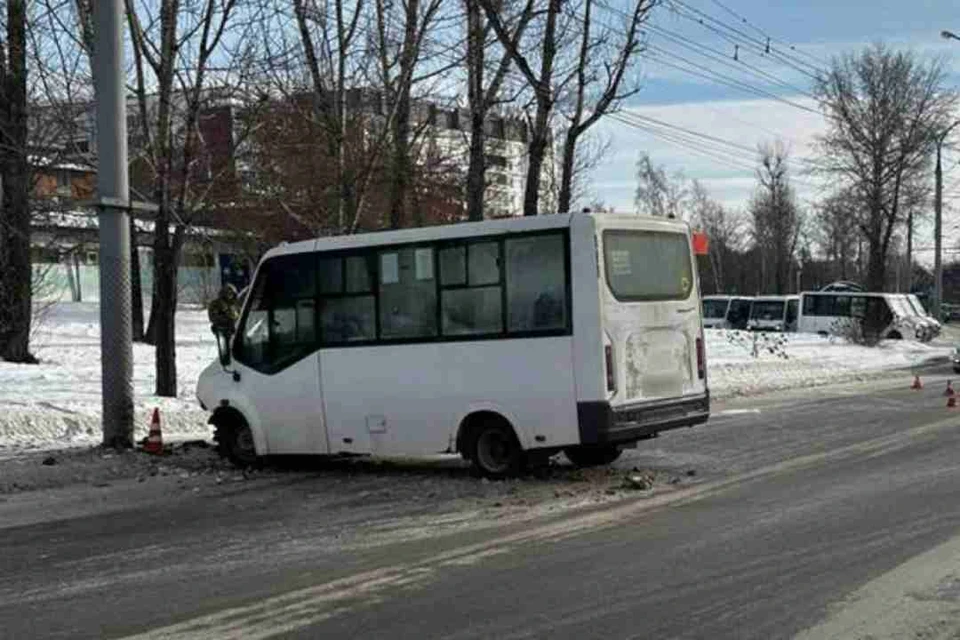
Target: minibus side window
536,284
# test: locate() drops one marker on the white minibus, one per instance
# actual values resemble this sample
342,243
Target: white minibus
726,312
831,312
774,313
504,340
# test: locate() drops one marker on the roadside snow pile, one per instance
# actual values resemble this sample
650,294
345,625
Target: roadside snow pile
58,401
790,361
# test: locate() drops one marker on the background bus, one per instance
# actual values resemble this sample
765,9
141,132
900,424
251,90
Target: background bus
774,313
834,313
726,312
501,340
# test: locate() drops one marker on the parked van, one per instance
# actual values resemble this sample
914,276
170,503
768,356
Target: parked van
501,340
935,325
831,312
774,313
726,312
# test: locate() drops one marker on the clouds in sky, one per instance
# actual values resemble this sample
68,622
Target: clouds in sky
726,171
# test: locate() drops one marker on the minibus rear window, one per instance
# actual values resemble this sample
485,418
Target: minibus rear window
647,265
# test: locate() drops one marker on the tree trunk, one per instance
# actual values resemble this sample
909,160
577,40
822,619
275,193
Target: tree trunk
163,310
476,169
566,173
15,270
876,266
536,155
910,251
401,165
136,287
400,171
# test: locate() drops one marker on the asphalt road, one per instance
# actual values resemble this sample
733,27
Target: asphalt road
798,502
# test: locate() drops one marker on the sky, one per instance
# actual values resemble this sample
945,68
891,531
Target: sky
764,98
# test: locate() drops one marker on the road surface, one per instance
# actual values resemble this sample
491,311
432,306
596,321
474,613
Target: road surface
828,514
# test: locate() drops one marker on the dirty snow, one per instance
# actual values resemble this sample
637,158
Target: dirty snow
57,403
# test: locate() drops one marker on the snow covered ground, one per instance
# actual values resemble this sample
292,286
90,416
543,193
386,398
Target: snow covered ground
57,403
791,361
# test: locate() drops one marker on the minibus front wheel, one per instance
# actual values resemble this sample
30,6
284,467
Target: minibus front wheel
234,438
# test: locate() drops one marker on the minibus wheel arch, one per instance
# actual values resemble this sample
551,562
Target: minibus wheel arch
472,429
233,437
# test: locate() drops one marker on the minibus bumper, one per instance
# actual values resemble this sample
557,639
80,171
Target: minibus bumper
601,423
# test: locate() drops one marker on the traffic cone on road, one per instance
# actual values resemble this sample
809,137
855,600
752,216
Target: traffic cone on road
948,392
917,385
154,442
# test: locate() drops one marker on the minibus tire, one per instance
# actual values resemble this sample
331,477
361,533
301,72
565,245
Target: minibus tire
592,456
235,442
495,452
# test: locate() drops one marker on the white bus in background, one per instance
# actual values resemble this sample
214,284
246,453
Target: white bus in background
774,313
829,313
502,340
726,312
935,325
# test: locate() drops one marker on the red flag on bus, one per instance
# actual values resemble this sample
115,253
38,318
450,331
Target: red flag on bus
701,244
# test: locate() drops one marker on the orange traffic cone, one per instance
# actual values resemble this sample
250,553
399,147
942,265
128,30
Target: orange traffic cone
154,442
949,390
917,385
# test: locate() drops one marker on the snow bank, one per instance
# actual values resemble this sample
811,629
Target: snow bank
792,361
57,403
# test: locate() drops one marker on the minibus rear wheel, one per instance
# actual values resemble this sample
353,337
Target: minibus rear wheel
496,452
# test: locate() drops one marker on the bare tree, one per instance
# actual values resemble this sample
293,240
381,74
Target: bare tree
659,193
598,89
776,216
333,67
550,41
173,50
397,68
15,269
723,228
883,108
483,96
836,225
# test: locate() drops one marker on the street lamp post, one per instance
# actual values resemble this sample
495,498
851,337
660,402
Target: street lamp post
938,208
938,224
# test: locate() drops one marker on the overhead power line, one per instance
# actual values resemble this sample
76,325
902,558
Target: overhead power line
766,35
736,36
723,79
716,55
727,152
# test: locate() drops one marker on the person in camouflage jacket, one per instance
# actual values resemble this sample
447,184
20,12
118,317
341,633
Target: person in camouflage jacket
224,311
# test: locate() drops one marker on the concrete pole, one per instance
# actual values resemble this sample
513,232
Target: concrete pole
938,225
113,194
938,236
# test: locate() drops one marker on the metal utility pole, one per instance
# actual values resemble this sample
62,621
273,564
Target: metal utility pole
938,224
938,209
116,335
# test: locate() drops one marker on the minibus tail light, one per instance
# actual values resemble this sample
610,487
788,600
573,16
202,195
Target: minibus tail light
608,357
701,364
